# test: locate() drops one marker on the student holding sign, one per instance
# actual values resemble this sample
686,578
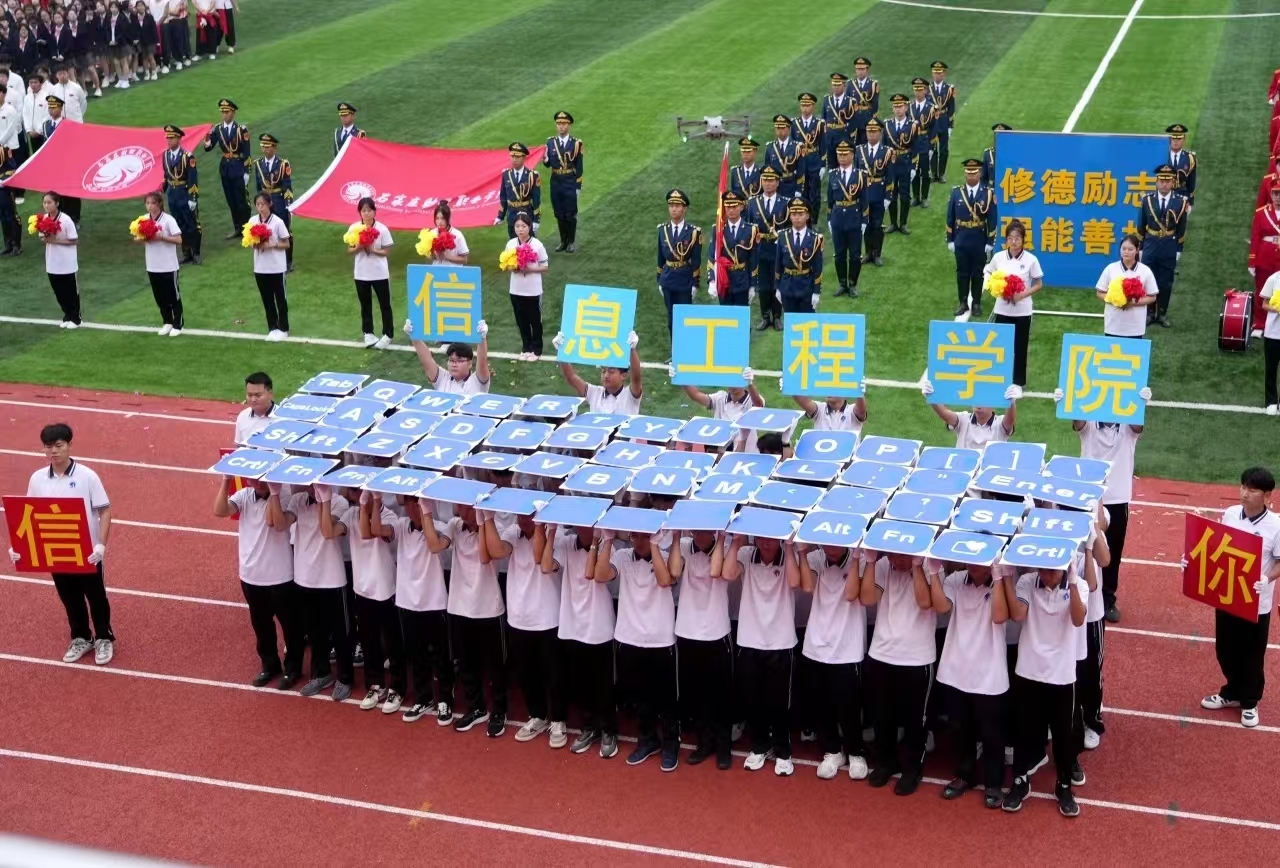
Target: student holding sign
975,428
1092,559
620,389
834,414
729,404
475,615
458,378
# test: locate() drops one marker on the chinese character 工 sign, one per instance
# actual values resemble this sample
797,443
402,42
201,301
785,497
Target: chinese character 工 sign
711,344
1223,563
50,533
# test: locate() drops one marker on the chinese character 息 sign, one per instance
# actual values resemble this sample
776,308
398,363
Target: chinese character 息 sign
444,302
1077,194
50,533
710,344
1223,563
595,322
823,354
970,364
1101,377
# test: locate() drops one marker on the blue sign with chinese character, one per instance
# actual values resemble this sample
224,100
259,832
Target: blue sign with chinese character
959,547
1028,457
433,402
334,383
710,344
730,489
821,528
947,482
700,515
924,508
519,434
1039,552
388,391
979,515
468,429
808,471
278,435
875,474
380,445
627,454
1058,522
654,428
296,470
823,354
596,321
1077,194
599,480
408,423
664,481
712,433
445,302
1078,469
888,450
943,458
898,537
746,464
555,407
493,406
436,453
1101,377
304,408
859,501
356,414
247,463
577,437
970,364
826,445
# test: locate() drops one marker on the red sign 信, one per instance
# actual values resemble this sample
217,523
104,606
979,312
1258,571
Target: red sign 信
50,534
1223,564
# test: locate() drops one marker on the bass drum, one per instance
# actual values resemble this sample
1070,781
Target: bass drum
1236,322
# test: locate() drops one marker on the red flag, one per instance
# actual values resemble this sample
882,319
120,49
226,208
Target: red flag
721,274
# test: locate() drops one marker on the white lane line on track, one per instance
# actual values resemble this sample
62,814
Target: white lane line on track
1098,73
113,412
129,592
1108,16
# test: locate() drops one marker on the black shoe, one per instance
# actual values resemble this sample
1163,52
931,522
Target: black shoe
941,179
645,748
8,251
892,229
764,325
1113,614
1067,806
881,776
702,752
572,248
1163,321
1077,775
923,203
724,757
907,784
670,757
992,797
288,680
777,324
962,309
197,260
497,725
843,290
976,309
915,203
905,231
866,259
187,260
17,251
230,235
560,247
265,677
877,262
853,292
957,788
1013,799
289,269
470,719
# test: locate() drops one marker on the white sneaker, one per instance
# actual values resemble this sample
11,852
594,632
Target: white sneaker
164,330
830,765
273,336
559,734
18,200
533,728
193,60
1249,718
373,698
370,340
62,324
1273,410
123,84
383,343
284,336
212,57
392,703
71,325
105,649
77,649
164,70
1216,702
755,761
175,333
231,49
97,91
857,768
1091,739
784,768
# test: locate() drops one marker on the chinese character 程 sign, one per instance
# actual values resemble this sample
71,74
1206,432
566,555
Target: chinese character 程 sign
1223,563
710,344
970,364
823,354
1101,377
445,302
596,321
50,533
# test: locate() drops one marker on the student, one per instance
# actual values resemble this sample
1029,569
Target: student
65,477
266,578
587,624
442,217
259,395
900,663
645,633
421,600
766,642
1128,320
458,378
1271,343
834,414
835,643
974,665
729,404
613,394
161,252
526,289
533,616
1051,606
1017,311
269,267
475,617
1089,669
975,428
61,261
1241,645
373,274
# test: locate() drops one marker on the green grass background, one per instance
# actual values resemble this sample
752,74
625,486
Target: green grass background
493,72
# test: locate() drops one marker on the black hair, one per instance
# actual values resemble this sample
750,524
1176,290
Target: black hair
1134,240
443,208
462,351
51,434
262,197
366,200
770,444
1017,226
1259,479
57,199
523,217
157,196
259,378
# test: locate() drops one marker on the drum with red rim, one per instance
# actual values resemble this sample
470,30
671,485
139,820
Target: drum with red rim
1236,322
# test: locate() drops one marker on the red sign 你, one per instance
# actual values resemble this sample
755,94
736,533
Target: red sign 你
1223,564
51,534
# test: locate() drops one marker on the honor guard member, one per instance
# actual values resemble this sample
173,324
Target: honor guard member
798,265
783,154
1184,164
564,159
679,255
865,93
347,129
944,105
837,114
274,177
1264,255
924,113
971,234
740,245
1162,226
900,134
989,158
55,105
810,133
768,211
182,192
233,140
521,190
744,179
847,217
876,160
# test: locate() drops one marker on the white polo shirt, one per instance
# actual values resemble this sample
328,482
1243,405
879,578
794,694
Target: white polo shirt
248,423
826,419
1117,444
79,481
373,564
419,575
904,632
473,584
272,260
600,401
973,656
1129,322
472,385
586,606
63,258
1266,526
459,248
370,266
1271,328
161,256
1025,266
703,613
767,617
972,435
265,555
722,407
1047,646
533,597
837,628
317,562
646,610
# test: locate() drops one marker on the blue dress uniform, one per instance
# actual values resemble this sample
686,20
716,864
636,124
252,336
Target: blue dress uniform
740,246
769,215
233,140
798,264
346,112
783,154
1162,226
521,190
1183,163
988,174
811,135
837,115
944,103
745,179
679,258
865,93
274,176
182,191
971,231
564,159
876,159
847,207
900,135
924,113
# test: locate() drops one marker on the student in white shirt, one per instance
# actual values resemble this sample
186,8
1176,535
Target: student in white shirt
645,633
526,289
269,267
421,600
766,643
1271,345
1089,669
228,10
620,388
161,253
475,618
35,111
834,414
729,404
373,274
74,99
259,396
1017,311
900,664
61,261
976,428
1241,645
458,378
442,216
835,644
1129,320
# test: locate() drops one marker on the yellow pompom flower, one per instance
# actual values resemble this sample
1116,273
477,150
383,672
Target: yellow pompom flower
426,238
352,237
996,284
1273,303
1115,293
508,260
133,227
31,223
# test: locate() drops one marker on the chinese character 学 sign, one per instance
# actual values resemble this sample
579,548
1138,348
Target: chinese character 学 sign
50,533
444,302
595,322
1101,377
1077,194
970,364
1223,563
823,354
710,344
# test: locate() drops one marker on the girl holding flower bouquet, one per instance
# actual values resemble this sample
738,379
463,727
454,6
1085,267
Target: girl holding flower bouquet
526,258
368,241
1125,288
160,236
443,245
58,233
269,237
1013,275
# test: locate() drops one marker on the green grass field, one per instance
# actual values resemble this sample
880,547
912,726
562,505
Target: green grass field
498,72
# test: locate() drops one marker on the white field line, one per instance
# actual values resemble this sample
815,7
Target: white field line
1099,15
1102,67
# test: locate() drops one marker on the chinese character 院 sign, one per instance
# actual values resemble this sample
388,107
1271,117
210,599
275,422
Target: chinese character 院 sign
444,302
51,534
596,321
823,354
710,344
1101,377
1223,563
1077,194
970,364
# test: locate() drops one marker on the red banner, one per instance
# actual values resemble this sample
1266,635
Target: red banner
407,182
91,161
721,262
50,533
1223,563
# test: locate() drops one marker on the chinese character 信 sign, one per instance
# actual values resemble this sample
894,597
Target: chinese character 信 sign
50,533
1223,563
1101,377
445,302
970,364
710,344
823,354
595,322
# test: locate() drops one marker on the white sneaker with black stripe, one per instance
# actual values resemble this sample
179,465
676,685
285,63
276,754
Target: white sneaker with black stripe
1217,702
1249,718
77,649
373,698
391,702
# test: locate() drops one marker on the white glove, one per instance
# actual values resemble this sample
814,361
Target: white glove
408,327
1184,563
536,224
951,245
483,516
781,383
559,341
14,556
633,339
711,291
1253,272
1177,257
777,293
1093,535
98,552
1011,393
1058,395
864,228
926,386
497,221
365,497
822,173
913,174
888,202
814,299
324,494
191,203
1259,586
748,375
751,295
1144,393
482,329
246,179
988,248
931,155
671,371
